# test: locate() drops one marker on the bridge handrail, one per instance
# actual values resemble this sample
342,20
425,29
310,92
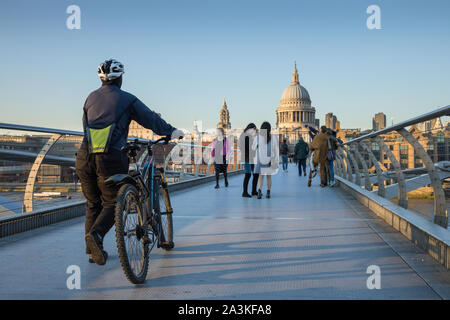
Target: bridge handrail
443,111
56,134
350,170
18,127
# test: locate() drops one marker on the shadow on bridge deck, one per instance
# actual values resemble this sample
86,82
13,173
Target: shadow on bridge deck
303,243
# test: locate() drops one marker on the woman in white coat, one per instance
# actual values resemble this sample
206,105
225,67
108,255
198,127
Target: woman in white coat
267,157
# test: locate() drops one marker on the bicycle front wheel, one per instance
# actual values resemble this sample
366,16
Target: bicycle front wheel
164,216
131,234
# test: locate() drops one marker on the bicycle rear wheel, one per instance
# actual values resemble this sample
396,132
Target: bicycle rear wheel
131,234
164,216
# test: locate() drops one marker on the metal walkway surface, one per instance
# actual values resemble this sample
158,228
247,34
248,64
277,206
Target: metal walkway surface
303,243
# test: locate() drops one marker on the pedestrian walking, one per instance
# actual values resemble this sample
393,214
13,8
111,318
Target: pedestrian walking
301,152
320,147
284,149
107,113
331,156
220,152
247,147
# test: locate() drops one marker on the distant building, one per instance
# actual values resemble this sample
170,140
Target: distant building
432,135
317,123
379,121
138,131
435,141
224,117
331,121
431,125
348,134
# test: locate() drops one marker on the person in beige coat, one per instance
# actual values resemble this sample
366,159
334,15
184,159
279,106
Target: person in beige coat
320,147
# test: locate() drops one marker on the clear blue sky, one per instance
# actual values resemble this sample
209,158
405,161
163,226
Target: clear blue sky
183,57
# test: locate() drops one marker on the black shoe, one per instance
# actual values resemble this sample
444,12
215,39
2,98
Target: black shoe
95,245
268,194
226,183
92,260
259,194
217,186
246,195
254,193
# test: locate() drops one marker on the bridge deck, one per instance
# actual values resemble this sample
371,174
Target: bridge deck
304,243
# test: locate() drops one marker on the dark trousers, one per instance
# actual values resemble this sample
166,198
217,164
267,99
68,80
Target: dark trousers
93,170
323,172
301,165
254,182
221,168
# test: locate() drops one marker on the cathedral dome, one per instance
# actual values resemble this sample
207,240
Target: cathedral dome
295,94
295,110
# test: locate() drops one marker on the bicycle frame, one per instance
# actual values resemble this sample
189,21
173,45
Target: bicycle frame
145,179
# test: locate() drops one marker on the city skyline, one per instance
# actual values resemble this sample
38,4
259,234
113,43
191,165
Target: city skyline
181,59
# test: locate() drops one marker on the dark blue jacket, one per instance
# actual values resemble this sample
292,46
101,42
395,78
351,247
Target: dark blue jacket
109,103
301,150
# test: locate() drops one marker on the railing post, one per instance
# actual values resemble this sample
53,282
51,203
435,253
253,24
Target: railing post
169,156
440,210
238,157
338,165
355,164
29,189
380,179
341,163
347,162
197,161
343,167
208,168
402,195
367,183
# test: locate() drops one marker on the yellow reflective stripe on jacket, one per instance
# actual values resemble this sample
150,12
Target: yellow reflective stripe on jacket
99,139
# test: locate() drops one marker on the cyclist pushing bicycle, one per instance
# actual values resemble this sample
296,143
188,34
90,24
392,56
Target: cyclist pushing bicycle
107,114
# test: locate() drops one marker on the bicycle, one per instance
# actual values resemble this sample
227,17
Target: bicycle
143,213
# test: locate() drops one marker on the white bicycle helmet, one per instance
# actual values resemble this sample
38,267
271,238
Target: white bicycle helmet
110,69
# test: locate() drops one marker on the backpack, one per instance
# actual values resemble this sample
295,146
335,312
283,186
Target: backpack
331,156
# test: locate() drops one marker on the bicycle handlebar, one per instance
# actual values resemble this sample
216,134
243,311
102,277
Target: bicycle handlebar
164,140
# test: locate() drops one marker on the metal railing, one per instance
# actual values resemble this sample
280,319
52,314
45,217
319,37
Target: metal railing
37,170
396,161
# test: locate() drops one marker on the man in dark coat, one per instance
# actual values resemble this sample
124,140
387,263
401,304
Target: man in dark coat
300,154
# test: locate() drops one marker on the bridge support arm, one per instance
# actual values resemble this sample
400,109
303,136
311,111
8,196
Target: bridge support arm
338,163
355,165
31,181
349,167
403,197
367,184
373,159
440,209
